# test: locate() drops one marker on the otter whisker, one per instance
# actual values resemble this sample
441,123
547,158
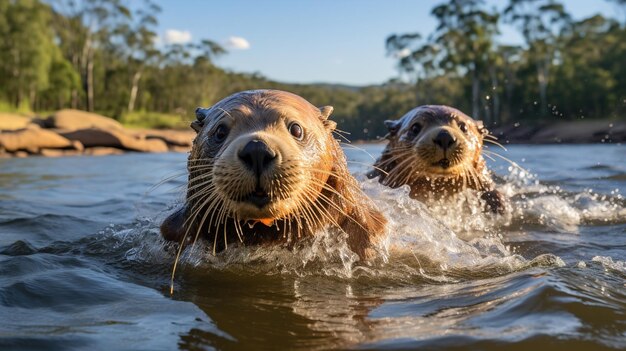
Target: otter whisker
495,143
165,180
513,163
180,250
489,157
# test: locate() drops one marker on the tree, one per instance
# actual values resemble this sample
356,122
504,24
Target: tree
541,22
25,51
466,32
139,38
93,25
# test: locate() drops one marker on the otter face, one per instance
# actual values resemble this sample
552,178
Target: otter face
434,141
261,155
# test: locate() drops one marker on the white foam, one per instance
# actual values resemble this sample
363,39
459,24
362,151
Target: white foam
442,242
608,263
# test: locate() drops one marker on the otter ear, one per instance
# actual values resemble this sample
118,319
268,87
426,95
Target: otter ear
393,126
325,112
481,128
201,115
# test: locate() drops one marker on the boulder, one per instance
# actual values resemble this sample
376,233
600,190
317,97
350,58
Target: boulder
11,121
70,119
103,151
172,137
174,148
93,137
35,139
59,152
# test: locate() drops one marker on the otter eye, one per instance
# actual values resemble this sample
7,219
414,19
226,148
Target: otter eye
416,128
296,131
463,127
220,133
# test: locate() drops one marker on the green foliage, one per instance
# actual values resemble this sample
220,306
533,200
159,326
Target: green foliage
145,119
567,70
99,55
24,50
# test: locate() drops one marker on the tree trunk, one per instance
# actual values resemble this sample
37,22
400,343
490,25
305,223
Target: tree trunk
542,78
133,91
87,70
495,115
510,85
90,97
475,95
32,95
74,99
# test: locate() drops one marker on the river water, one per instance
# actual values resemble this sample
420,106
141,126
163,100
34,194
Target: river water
82,265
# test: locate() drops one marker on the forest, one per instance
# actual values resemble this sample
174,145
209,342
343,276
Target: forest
102,56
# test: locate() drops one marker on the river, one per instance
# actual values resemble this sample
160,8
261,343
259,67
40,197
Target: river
82,266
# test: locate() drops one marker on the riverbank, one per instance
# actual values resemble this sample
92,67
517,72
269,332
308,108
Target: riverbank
74,133
579,132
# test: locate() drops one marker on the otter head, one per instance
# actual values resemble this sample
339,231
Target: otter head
260,155
431,142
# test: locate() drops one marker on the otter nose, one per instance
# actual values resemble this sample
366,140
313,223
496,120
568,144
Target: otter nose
444,139
257,156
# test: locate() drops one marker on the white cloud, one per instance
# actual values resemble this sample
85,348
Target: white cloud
175,36
237,43
402,53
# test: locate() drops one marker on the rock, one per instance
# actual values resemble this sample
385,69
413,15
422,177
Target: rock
563,132
11,121
21,154
34,139
59,152
4,153
69,119
172,137
174,148
116,139
103,151
155,145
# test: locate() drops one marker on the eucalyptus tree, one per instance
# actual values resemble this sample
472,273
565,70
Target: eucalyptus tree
139,35
93,25
621,4
25,50
417,58
461,45
466,31
541,23
589,80
508,63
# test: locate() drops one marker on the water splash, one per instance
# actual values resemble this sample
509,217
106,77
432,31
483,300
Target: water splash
441,242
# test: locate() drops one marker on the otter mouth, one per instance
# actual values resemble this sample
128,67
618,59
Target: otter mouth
443,163
258,198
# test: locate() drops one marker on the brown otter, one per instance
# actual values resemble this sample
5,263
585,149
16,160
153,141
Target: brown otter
265,168
436,150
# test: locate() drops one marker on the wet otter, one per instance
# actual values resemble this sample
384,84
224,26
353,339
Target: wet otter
436,150
265,168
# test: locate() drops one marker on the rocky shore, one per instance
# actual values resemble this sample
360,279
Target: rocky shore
580,132
73,132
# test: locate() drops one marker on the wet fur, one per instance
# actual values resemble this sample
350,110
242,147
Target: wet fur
408,158
328,197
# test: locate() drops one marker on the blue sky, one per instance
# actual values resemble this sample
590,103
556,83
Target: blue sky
304,41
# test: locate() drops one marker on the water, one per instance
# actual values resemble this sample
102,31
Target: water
82,264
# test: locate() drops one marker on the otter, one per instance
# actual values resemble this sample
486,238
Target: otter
265,168
436,150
